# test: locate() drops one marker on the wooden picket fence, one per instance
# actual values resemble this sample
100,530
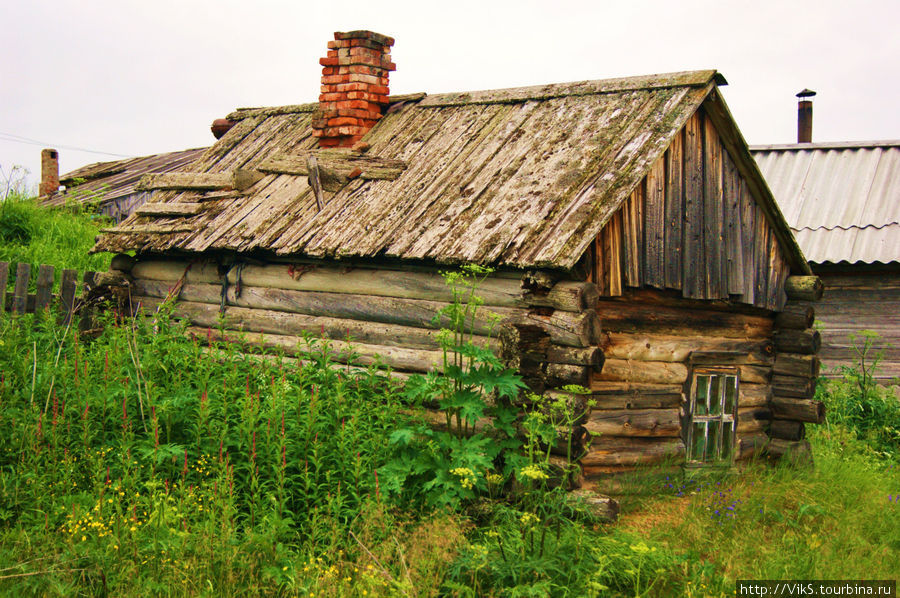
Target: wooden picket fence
20,301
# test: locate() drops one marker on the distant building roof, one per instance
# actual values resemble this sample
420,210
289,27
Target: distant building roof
104,182
842,199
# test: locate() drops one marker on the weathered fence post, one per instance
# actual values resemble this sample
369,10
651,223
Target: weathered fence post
20,294
44,288
4,278
67,296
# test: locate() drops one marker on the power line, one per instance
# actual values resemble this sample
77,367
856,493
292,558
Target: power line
19,139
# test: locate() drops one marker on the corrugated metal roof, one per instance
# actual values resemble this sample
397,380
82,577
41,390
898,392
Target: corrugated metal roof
523,177
104,182
841,199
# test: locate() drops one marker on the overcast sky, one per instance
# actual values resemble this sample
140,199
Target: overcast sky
136,78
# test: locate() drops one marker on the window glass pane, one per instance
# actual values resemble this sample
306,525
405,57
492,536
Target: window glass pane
730,393
715,395
727,440
713,442
702,391
698,442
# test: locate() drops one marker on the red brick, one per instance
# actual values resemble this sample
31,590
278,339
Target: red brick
369,97
331,54
366,70
367,114
345,120
389,66
328,70
353,105
332,97
328,80
330,142
358,78
366,53
329,61
379,90
349,87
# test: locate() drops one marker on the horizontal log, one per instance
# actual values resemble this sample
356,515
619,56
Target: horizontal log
567,295
652,372
754,395
586,356
786,429
752,420
185,180
405,360
368,167
608,451
570,329
279,322
630,395
793,386
563,374
121,262
796,452
221,355
602,507
568,441
804,288
169,209
648,423
793,364
655,347
801,410
806,342
750,446
798,316
637,318
500,291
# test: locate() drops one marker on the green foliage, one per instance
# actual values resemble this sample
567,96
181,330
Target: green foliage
142,443
857,402
59,237
447,466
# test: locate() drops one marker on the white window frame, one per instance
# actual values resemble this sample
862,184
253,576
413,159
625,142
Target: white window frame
724,418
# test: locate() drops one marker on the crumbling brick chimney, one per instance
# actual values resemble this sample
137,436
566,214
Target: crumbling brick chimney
354,87
49,172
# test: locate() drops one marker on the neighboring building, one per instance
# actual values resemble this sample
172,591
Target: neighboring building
108,187
842,201
638,251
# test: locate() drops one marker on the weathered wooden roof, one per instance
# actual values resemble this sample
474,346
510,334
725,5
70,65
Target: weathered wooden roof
841,199
103,182
520,177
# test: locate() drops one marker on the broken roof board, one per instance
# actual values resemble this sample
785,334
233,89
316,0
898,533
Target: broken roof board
522,178
842,200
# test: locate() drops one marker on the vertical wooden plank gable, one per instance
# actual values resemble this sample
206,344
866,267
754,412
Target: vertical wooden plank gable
734,258
654,262
674,211
693,225
693,270
713,206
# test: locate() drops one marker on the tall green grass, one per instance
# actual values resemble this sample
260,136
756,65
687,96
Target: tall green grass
59,237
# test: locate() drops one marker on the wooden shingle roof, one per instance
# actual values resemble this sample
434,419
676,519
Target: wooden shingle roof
521,177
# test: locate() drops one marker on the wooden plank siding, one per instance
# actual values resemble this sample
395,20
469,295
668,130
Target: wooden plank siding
692,225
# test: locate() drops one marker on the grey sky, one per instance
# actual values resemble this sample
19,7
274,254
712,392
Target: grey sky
137,78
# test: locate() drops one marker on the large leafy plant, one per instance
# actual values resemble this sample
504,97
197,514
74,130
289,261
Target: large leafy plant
446,462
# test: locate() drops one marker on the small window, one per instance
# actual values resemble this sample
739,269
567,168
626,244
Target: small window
709,429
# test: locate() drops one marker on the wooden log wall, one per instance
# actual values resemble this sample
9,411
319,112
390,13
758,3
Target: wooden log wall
544,327
692,225
856,302
796,370
649,341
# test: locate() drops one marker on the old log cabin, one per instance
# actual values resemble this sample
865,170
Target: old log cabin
638,251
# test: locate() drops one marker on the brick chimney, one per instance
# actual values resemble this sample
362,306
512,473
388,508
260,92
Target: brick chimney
354,87
49,172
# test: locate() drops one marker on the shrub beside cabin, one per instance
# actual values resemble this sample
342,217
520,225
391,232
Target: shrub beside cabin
638,251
